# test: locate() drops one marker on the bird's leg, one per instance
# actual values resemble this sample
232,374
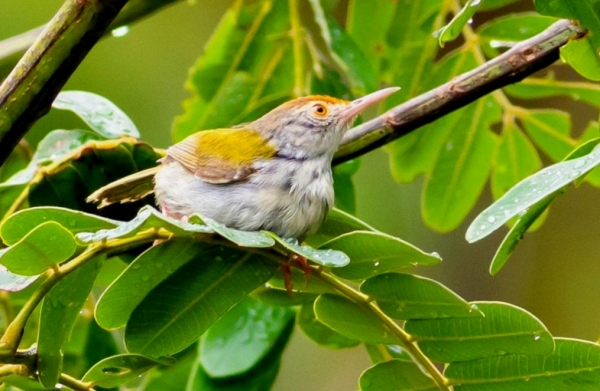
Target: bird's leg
303,262
286,270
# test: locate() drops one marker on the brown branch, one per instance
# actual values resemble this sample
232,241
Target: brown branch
12,49
514,65
30,88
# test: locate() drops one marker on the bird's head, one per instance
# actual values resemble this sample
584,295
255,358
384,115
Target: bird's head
314,125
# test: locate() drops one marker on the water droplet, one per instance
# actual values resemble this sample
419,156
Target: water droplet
120,31
574,174
449,146
376,264
482,227
491,219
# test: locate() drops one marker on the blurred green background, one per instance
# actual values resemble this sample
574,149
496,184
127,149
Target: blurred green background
553,274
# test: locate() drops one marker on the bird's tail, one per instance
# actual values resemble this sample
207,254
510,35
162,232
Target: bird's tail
128,189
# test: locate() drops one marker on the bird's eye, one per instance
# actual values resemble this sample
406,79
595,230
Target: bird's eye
320,110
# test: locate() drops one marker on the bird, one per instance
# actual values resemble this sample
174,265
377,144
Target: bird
271,174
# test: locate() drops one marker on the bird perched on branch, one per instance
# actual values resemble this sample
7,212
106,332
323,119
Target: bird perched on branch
272,174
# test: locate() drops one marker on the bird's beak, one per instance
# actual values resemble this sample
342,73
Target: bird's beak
358,105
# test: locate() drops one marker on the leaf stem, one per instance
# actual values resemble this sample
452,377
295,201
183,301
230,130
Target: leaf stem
75,384
411,347
18,201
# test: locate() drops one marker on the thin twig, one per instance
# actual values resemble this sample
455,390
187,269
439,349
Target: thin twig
515,64
75,384
407,343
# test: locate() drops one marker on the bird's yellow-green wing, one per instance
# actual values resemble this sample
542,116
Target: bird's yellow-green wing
221,155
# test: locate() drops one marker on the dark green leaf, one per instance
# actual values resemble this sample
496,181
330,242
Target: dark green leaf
26,384
536,88
281,298
47,244
583,57
172,378
396,375
405,296
21,223
574,365
452,30
146,272
493,4
179,310
301,283
59,311
16,161
242,338
345,196
462,167
504,329
116,370
373,253
352,320
320,333
506,31
550,131
99,113
328,258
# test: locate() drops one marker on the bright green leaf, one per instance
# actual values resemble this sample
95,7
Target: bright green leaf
328,258
373,253
103,116
462,167
242,338
337,223
60,309
536,88
396,375
550,131
17,226
504,329
452,30
352,320
582,56
116,370
175,313
241,238
405,296
47,244
382,353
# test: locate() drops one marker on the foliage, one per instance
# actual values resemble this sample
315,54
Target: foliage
200,306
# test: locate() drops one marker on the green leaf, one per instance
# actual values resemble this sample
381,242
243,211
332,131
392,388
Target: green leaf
350,61
530,191
48,244
57,318
147,218
241,238
59,143
453,29
320,333
536,88
145,273
11,282
462,167
395,375
582,56
172,378
193,298
281,298
405,296
504,329
517,158
120,369
373,253
550,131
508,30
17,226
260,378
246,69
367,23
16,161
345,196
383,353
327,258
242,338
337,223
26,383
352,320
574,365
101,115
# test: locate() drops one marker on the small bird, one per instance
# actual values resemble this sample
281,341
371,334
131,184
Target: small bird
270,174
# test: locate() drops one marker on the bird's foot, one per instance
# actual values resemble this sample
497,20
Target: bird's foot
286,269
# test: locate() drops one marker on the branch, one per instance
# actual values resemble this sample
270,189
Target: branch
522,60
12,49
30,88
